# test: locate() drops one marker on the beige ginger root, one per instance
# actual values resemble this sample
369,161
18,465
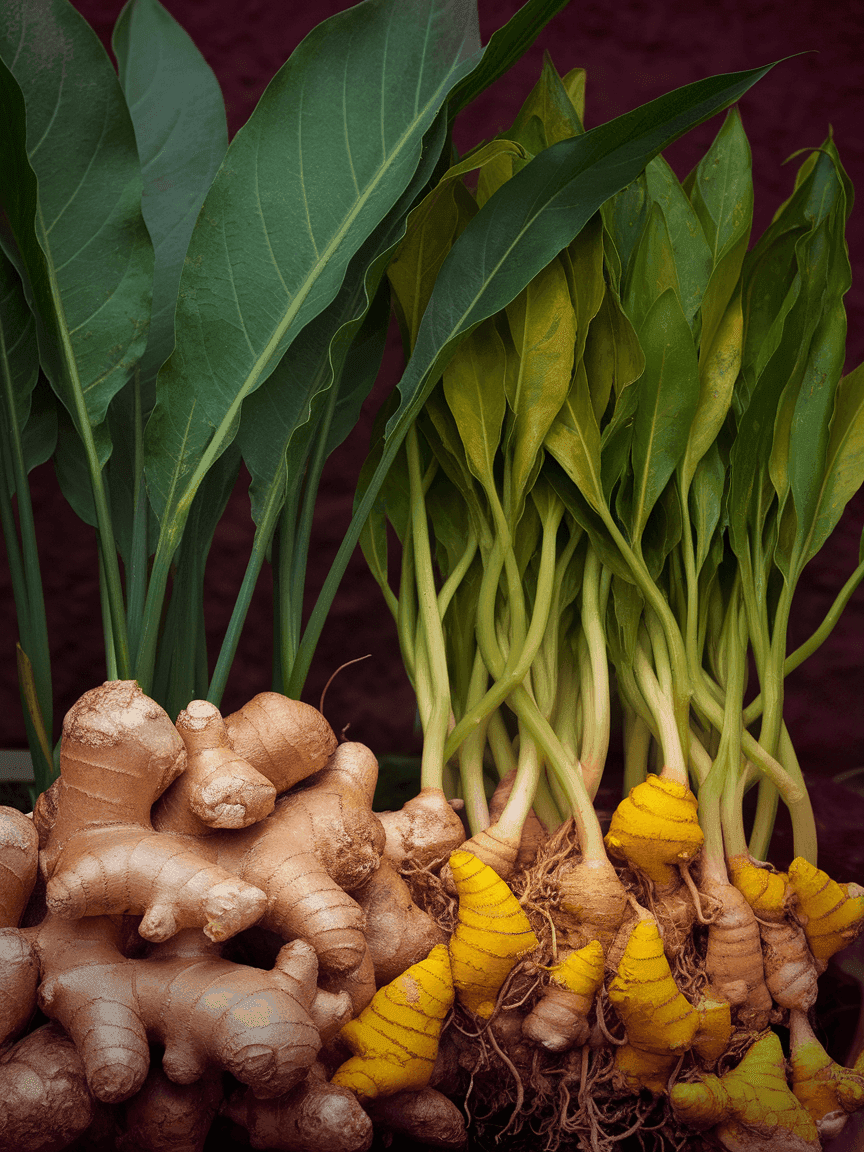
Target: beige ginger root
423,832
398,933
168,1117
790,970
219,789
19,968
320,842
283,739
101,856
315,1116
44,1102
265,1028
559,1020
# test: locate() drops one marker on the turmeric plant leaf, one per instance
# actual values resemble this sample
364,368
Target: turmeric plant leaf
542,322
475,386
668,392
304,183
519,231
721,192
690,251
652,269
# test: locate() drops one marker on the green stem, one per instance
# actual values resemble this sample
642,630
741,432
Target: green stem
111,672
674,759
508,678
754,709
435,733
522,794
636,748
471,755
288,620
261,542
596,748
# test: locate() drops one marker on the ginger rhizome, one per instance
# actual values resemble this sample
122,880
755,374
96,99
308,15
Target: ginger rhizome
119,753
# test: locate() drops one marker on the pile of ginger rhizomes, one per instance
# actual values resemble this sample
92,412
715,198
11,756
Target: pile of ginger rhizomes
159,848
204,925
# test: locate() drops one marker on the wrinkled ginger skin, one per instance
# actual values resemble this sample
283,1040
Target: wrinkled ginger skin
168,1117
398,933
44,1102
19,979
255,1024
284,739
320,843
313,1117
219,789
733,960
592,901
19,864
423,832
119,752
425,1115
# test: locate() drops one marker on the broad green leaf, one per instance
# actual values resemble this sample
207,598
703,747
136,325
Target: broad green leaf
690,251
718,371
624,216
505,47
330,148
652,269
476,387
844,466
508,158
519,231
75,212
179,119
315,375
662,532
668,392
441,432
542,323
548,114
432,227
705,500
583,264
574,441
721,192
574,86
613,358
19,366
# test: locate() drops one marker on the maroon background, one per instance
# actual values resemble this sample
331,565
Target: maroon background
631,56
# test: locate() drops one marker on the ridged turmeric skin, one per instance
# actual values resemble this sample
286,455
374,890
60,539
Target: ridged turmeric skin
395,1038
491,934
656,828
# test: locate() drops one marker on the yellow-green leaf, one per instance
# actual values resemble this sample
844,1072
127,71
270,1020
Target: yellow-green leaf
475,387
542,322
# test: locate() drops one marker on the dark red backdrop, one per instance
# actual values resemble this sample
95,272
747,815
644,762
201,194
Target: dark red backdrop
633,51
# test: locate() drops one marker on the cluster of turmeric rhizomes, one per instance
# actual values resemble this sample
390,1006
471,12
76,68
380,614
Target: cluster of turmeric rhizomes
660,984
139,882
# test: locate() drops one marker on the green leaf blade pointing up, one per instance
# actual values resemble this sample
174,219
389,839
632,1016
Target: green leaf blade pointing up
331,146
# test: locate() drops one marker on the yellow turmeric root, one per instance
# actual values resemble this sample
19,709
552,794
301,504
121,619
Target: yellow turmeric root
491,934
833,913
655,829
751,1108
660,1023
395,1037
